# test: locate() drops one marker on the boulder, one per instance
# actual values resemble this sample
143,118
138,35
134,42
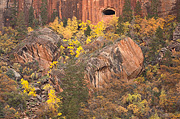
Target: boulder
122,60
40,45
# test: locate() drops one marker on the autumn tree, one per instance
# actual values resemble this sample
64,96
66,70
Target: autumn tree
10,98
127,11
8,40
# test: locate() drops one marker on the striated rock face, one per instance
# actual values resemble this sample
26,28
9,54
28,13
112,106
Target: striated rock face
40,46
122,60
93,10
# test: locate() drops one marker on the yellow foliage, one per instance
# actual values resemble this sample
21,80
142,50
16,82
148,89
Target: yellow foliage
28,89
10,113
79,51
30,29
97,30
149,27
113,23
83,26
47,87
72,25
7,40
163,98
126,26
68,31
56,26
52,101
88,40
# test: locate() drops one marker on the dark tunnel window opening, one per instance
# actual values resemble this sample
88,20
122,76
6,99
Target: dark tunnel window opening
108,12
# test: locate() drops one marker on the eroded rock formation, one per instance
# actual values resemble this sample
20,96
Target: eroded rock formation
40,46
122,60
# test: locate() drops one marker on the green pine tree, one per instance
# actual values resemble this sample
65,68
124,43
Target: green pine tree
120,26
44,12
64,22
127,11
14,13
31,16
156,44
21,26
54,15
138,10
88,31
154,9
75,90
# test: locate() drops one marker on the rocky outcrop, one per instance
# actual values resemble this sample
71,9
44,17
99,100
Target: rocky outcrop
122,60
41,46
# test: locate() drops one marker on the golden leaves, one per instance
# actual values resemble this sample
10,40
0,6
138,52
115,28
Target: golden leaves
27,88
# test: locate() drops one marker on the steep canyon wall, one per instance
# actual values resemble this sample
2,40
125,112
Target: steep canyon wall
84,9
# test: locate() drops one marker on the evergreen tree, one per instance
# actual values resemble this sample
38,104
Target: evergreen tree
120,26
21,26
154,9
64,22
54,15
44,12
31,16
156,44
127,11
138,10
14,12
75,91
88,31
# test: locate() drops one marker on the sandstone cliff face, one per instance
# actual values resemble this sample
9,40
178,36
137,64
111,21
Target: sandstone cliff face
91,9
86,9
40,46
122,60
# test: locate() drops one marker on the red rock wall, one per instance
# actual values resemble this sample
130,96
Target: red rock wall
70,8
52,5
37,6
91,9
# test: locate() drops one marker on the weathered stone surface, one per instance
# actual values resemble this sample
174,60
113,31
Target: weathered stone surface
123,59
16,74
40,46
